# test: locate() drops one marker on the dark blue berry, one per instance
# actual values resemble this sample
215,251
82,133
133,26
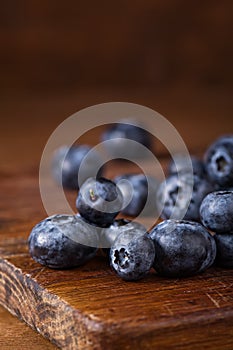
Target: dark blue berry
180,196
216,211
99,201
110,234
132,254
181,165
139,191
62,241
120,133
224,244
219,162
183,248
67,161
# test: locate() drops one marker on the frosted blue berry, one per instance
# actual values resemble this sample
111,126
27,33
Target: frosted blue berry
180,197
180,165
99,201
119,133
67,162
224,244
183,248
63,241
216,211
219,162
139,194
132,254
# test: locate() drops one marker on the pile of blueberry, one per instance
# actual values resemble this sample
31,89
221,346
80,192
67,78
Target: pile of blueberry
174,247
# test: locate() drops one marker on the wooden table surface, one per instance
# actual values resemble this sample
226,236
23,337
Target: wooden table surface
199,115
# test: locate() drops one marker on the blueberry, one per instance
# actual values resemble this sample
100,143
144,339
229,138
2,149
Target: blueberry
216,211
67,161
183,248
62,241
120,133
219,162
99,201
110,234
181,166
139,191
224,244
132,254
174,193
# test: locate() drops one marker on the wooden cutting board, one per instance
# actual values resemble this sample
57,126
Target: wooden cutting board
90,307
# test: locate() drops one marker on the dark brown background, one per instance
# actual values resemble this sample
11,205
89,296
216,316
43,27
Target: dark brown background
58,57
67,44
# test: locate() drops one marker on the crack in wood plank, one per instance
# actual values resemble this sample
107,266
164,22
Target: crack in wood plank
213,300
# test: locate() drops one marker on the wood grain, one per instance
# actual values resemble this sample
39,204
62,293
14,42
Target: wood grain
17,335
91,308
